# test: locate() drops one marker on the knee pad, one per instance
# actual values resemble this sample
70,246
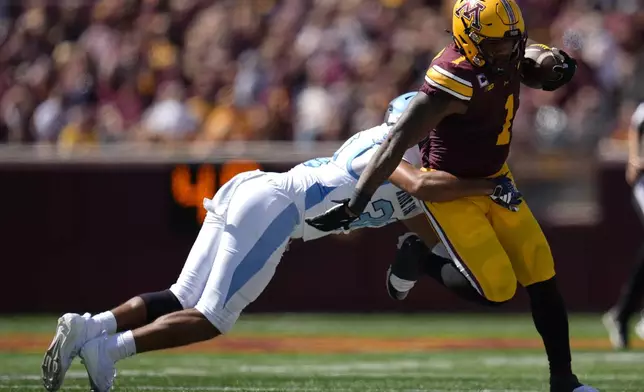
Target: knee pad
502,291
500,288
497,280
222,319
188,296
159,304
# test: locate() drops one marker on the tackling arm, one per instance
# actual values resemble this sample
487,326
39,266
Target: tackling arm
438,186
423,114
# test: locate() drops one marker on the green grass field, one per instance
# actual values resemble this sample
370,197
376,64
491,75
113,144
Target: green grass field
344,353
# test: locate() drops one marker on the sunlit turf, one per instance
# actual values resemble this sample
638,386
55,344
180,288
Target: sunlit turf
441,370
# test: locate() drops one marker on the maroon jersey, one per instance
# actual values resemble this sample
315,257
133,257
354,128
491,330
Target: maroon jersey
477,143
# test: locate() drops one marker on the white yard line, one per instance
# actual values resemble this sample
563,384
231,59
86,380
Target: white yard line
296,372
347,367
267,389
432,368
224,364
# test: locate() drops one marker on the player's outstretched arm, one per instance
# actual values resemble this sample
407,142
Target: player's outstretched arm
438,186
421,116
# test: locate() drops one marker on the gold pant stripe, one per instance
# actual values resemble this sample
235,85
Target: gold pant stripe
462,267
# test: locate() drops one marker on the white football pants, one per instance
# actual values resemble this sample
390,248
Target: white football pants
246,230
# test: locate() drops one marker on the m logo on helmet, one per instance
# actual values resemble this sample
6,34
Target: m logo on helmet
471,10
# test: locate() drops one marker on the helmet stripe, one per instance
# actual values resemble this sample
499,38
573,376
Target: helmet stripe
510,12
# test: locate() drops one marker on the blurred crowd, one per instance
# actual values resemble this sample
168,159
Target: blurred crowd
105,71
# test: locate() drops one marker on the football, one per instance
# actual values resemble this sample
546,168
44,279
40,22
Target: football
537,66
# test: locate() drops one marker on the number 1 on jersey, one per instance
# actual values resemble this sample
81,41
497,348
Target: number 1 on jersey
504,136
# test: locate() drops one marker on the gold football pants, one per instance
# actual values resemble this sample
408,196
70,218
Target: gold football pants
491,245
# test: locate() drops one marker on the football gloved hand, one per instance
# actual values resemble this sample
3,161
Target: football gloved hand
566,67
335,218
506,193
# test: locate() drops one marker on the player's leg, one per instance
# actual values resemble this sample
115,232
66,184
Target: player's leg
183,294
240,275
74,330
254,239
616,320
413,255
473,248
406,268
524,241
187,290
438,265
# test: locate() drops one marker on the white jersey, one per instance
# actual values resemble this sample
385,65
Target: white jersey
252,218
315,184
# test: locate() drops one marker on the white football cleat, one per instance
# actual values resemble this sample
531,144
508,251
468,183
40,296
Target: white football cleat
71,334
639,328
100,367
617,332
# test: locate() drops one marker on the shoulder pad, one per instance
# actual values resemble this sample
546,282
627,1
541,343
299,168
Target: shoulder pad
452,73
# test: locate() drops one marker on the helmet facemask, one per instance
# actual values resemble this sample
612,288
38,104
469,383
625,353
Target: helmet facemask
500,54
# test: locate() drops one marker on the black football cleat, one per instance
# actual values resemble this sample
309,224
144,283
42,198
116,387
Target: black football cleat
406,268
569,383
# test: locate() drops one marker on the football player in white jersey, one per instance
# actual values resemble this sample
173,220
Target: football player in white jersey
617,319
248,225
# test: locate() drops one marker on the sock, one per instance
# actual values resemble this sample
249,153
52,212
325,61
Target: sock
121,346
551,320
631,294
102,322
401,285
